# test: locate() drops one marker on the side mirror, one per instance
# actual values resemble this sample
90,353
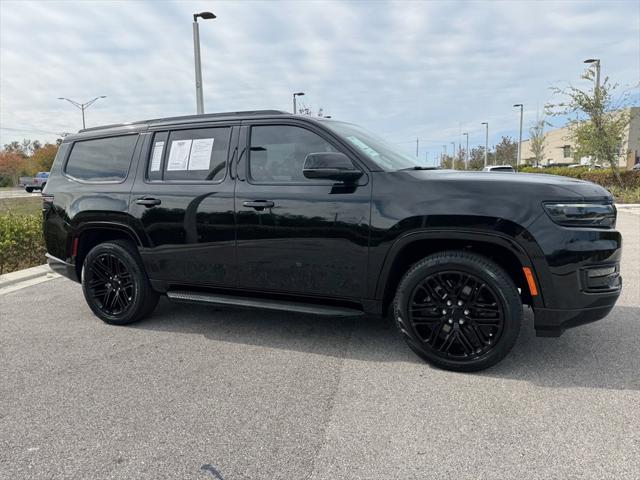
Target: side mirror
331,166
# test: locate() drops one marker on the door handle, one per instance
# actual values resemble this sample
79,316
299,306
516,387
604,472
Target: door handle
259,204
148,201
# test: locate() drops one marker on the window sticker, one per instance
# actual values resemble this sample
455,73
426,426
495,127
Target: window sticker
200,156
157,156
363,146
179,155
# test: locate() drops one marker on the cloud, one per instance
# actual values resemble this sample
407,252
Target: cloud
404,69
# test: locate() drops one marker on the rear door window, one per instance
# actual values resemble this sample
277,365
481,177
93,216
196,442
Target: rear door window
191,155
101,159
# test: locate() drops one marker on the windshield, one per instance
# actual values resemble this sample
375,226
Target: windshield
383,154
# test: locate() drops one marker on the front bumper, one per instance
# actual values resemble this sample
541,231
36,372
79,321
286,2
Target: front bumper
578,273
550,322
63,268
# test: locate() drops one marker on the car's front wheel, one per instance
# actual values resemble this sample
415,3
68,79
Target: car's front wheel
458,310
115,284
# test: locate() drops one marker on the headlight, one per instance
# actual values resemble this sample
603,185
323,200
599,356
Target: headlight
582,214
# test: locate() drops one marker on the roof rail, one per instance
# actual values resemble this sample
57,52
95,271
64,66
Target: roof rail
247,113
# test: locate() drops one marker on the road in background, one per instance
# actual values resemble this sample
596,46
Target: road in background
17,193
196,392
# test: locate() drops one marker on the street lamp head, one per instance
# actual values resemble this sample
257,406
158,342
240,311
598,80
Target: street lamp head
298,94
203,15
485,123
518,105
592,60
102,96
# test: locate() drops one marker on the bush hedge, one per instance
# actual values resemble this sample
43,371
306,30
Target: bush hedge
21,241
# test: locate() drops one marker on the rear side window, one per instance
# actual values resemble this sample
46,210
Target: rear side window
101,159
195,155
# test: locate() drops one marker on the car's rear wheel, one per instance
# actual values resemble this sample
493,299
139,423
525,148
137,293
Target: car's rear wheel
115,284
29,189
458,311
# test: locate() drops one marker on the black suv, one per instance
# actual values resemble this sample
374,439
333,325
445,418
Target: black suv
271,210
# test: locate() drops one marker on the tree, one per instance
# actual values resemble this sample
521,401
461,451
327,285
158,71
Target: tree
600,121
11,165
476,158
506,151
536,137
25,148
42,158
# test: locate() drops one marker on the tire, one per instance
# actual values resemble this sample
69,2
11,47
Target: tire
29,189
115,283
42,186
453,323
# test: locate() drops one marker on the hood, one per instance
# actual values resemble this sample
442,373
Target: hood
541,186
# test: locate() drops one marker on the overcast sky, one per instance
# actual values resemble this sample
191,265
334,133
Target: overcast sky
406,70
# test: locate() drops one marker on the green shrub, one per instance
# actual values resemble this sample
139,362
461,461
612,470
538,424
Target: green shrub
21,241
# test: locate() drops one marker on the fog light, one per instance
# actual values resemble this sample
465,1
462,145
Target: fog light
600,272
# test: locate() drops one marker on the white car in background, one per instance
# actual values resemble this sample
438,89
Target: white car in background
499,168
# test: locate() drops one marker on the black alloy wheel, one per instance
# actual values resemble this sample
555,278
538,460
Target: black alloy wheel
111,285
456,314
458,310
115,283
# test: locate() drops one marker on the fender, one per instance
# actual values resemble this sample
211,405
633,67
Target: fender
111,225
524,256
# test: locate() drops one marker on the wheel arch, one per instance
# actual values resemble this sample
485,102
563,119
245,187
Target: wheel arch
93,233
412,247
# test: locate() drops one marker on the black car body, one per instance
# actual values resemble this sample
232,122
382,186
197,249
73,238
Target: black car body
246,231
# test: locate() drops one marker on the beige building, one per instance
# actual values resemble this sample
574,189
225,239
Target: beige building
558,148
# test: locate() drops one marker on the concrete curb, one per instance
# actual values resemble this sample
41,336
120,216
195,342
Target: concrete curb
24,275
627,206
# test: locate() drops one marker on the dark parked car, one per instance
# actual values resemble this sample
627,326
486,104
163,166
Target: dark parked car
271,210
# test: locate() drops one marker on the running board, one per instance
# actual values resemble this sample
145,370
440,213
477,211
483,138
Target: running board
265,304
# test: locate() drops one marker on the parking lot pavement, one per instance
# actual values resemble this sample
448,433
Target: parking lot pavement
197,392
17,193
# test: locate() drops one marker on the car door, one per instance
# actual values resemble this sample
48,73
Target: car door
183,201
296,235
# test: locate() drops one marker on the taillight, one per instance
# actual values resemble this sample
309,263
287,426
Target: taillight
47,202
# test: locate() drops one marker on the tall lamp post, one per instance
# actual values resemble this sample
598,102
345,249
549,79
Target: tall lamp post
453,155
597,62
295,108
486,141
196,55
466,152
82,106
519,156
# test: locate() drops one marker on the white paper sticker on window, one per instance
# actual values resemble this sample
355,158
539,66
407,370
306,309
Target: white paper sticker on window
179,155
363,146
201,154
157,156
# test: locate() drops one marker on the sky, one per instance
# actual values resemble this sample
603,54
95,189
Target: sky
407,70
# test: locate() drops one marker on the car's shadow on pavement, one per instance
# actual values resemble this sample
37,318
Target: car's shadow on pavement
603,354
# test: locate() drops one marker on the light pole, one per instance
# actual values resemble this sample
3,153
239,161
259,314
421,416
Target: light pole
444,156
486,141
519,156
82,106
196,55
597,62
297,94
453,155
466,152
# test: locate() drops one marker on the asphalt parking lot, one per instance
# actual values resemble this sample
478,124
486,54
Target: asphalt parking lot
195,392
